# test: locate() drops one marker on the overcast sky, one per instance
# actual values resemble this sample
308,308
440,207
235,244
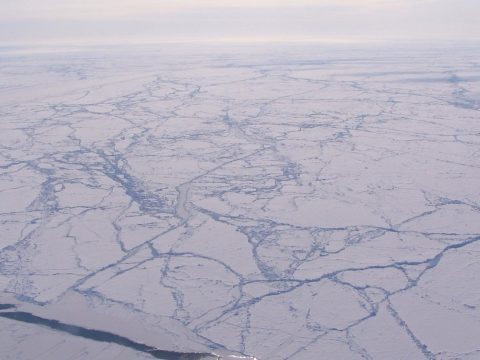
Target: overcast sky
103,21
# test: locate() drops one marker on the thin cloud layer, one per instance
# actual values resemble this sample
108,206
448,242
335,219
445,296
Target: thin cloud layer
157,20
88,9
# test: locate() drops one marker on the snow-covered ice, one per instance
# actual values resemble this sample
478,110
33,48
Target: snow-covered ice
290,202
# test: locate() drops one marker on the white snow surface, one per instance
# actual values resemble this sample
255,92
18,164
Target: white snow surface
288,202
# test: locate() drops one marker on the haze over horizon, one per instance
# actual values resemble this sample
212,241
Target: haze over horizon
129,21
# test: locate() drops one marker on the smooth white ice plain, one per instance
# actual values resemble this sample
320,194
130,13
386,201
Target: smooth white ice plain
295,202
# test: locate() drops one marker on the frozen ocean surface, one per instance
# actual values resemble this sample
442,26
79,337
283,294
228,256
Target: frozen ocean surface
290,202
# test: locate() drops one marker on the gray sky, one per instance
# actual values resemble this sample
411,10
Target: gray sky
117,21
